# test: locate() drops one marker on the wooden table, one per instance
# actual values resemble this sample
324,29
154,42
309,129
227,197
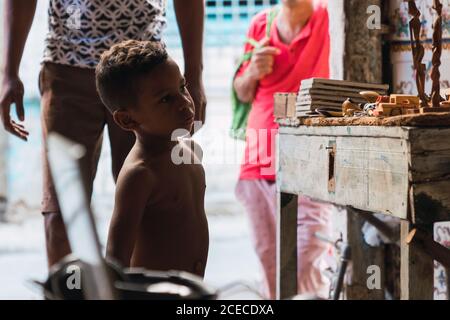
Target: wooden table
398,171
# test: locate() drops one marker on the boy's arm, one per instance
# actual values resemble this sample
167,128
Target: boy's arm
132,194
190,18
18,18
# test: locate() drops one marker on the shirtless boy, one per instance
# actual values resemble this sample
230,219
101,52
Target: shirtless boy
159,221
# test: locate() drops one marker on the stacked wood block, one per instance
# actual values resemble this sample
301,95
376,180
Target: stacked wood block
284,105
317,93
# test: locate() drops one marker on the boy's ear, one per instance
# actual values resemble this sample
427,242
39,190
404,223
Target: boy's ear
124,120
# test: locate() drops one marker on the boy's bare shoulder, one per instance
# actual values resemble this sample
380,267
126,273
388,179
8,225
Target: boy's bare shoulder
135,173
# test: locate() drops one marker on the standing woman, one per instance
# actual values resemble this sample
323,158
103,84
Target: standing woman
297,49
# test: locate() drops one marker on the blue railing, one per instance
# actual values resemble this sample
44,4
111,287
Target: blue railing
226,21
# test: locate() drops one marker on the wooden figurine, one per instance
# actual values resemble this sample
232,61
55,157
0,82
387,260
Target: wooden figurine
417,50
436,104
349,108
436,98
370,96
399,104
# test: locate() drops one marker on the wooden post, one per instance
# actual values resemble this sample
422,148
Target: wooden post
363,256
286,274
363,47
447,274
417,268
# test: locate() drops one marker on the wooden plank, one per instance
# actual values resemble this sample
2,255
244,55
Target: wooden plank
340,90
363,256
290,105
370,173
302,105
284,105
340,83
312,98
332,93
429,166
286,274
416,269
426,140
430,202
350,131
427,121
279,106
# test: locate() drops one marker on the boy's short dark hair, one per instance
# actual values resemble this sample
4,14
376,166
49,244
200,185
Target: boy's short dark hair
119,68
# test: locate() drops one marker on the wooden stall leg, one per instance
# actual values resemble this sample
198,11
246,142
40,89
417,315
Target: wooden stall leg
287,205
368,265
416,268
447,274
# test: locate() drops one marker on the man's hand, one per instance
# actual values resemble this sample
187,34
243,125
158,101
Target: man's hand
197,92
190,17
262,61
12,91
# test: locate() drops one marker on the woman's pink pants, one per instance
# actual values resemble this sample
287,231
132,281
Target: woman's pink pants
314,256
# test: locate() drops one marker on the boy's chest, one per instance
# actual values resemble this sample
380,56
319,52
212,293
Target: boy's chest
179,186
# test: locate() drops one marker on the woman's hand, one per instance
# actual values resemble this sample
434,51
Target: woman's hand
262,61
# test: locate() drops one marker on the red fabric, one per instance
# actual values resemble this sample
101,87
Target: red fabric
306,57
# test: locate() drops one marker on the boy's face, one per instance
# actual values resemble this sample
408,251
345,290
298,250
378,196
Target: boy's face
163,102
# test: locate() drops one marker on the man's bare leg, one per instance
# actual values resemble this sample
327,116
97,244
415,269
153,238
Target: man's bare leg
57,243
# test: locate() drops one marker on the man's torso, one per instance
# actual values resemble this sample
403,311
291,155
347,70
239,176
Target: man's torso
80,30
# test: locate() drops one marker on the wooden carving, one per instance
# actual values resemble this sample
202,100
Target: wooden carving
417,50
437,52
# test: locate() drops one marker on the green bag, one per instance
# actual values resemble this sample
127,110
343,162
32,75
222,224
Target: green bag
241,109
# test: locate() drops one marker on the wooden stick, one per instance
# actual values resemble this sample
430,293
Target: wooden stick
426,242
418,50
381,226
437,52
